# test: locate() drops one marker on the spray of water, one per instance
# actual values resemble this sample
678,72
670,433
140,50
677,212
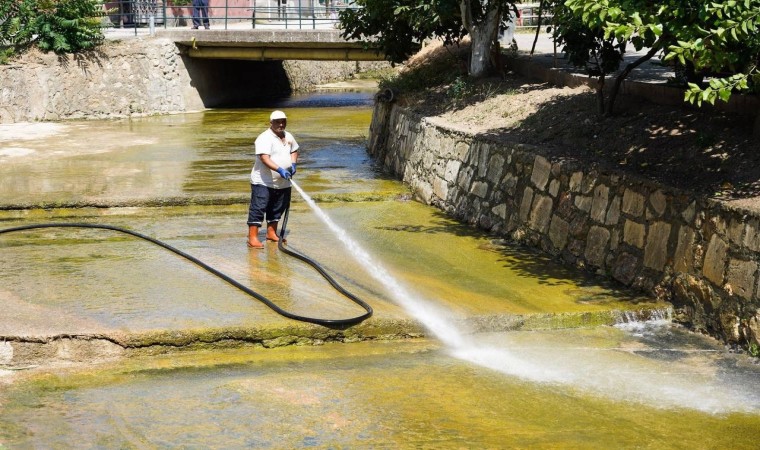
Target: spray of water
431,316
586,368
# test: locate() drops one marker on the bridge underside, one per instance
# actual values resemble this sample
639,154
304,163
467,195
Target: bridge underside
283,53
270,45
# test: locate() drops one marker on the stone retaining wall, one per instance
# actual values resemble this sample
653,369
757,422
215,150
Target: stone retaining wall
701,255
144,76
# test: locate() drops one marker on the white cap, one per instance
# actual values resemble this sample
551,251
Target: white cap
277,115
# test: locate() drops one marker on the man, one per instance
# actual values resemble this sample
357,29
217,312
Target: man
276,158
200,13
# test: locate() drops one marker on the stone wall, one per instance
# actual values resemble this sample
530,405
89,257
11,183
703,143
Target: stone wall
700,255
144,76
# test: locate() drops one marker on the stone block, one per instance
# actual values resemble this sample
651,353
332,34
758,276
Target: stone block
583,203
479,188
634,233
658,202
599,203
633,203
596,246
423,192
753,324
483,157
558,232
735,230
741,277
613,214
464,179
751,238
461,151
500,210
495,168
440,188
527,201
541,171
683,260
614,239
541,213
625,268
554,188
452,170
656,250
714,266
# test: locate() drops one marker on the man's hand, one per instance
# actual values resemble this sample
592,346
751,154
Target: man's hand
283,173
293,169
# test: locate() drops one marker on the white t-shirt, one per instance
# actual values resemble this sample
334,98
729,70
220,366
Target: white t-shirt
279,151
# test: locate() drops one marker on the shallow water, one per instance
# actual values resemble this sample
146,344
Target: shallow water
638,385
394,395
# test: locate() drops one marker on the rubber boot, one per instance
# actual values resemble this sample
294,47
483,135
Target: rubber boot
253,237
272,232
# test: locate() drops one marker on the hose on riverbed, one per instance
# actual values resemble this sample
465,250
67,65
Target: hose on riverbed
334,323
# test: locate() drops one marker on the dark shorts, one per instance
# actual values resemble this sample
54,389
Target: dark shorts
267,202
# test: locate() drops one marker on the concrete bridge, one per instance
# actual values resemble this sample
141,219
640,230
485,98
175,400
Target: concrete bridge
269,45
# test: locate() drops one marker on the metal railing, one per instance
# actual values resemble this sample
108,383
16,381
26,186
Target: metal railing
143,16
528,15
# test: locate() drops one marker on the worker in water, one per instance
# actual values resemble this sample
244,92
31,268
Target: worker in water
276,158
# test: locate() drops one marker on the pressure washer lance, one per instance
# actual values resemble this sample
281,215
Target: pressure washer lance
333,323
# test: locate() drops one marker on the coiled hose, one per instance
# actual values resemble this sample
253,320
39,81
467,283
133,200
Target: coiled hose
333,323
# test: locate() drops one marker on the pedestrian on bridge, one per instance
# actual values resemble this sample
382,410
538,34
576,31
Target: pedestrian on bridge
276,158
200,14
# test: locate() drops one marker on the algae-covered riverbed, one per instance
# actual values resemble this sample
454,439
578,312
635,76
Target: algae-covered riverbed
535,362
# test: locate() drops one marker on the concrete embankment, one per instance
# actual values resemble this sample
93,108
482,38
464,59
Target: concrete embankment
701,255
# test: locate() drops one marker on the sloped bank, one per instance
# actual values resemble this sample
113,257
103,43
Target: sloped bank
699,254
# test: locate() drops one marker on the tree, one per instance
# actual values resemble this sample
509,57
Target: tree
399,27
704,36
595,35
62,26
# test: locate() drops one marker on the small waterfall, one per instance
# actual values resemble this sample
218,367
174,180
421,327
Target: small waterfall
638,321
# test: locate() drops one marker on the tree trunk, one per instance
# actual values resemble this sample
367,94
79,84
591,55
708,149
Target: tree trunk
482,36
624,74
481,52
600,94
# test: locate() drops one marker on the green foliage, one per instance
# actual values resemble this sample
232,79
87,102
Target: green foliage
720,39
62,26
725,43
399,27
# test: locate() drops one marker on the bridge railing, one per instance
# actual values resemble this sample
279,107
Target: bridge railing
142,16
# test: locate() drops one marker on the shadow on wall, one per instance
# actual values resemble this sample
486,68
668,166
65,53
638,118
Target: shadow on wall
226,83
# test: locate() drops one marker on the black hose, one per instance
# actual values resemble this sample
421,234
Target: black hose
334,323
